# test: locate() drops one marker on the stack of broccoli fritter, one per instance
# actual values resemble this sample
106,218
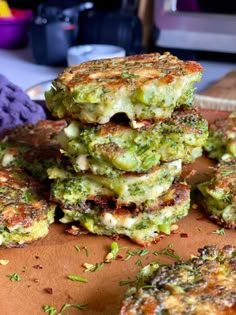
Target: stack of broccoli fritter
131,125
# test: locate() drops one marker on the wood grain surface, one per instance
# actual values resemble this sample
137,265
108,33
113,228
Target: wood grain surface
45,265
223,88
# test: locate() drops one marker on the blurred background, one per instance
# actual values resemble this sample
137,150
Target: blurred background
202,30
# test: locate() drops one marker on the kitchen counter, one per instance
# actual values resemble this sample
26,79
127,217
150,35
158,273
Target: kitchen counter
18,66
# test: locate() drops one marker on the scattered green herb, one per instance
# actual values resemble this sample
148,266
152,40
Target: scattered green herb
219,232
125,282
86,250
113,252
226,172
28,196
77,248
168,251
95,267
148,286
139,263
49,309
78,306
138,252
127,75
77,278
188,268
52,311
14,277
128,257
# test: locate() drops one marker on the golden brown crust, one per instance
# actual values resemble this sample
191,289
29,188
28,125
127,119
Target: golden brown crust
132,71
41,134
225,178
204,284
23,200
223,127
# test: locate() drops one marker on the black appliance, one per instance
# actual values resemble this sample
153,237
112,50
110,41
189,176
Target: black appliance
53,30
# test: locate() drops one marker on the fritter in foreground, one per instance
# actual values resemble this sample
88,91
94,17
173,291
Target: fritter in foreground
25,209
148,86
204,284
219,194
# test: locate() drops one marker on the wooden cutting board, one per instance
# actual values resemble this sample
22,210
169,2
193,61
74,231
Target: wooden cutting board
224,88
45,265
220,96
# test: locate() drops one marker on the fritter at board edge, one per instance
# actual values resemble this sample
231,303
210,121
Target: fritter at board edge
143,224
145,86
202,285
115,148
25,210
222,137
219,194
33,147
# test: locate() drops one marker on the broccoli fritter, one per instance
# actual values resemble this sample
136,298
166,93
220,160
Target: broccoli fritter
114,148
204,284
142,223
32,147
145,86
219,194
222,137
25,209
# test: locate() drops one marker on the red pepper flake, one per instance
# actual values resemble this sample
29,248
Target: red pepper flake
115,237
184,235
37,257
48,290
119,257
38,266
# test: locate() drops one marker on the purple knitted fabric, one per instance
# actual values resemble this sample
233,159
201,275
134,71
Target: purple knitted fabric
16,108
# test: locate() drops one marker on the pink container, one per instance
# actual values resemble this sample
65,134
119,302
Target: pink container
14,30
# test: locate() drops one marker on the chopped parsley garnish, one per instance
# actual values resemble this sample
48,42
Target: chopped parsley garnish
125,282
226,172
128,75
105,90
49,309
139,263
138,252
113,252
77,248
86,250
79,306
168,251
95,267
52,311
148,286
28,196
14,277
77,278
219,232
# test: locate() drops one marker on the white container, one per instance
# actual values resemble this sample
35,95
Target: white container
82,53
